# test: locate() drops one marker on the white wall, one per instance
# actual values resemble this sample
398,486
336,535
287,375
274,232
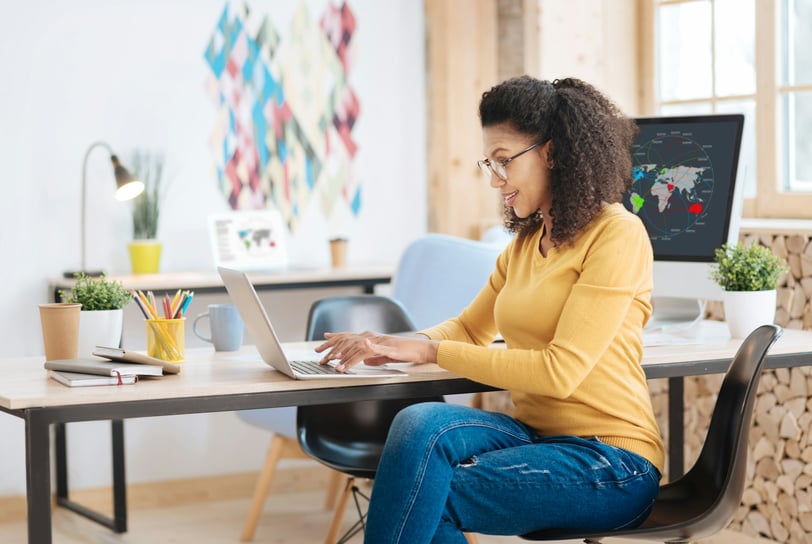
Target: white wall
132,73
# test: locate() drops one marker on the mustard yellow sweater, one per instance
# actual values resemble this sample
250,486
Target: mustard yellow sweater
572,323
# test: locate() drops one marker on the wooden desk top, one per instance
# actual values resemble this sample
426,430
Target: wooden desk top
210,280
714,353
24,382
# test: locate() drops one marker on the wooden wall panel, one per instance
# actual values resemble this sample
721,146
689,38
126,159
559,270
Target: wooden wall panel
472,44
462,63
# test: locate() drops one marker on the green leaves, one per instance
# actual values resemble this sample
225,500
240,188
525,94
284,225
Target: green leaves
147,167
753,268
145,216
97,293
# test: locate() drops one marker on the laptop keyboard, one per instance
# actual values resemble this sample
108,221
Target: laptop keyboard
311,367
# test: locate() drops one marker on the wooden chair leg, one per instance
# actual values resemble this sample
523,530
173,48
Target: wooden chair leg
338,513
263,485
471,538
333,488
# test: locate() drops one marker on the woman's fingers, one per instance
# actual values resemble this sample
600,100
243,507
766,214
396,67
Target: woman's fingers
352,357
335,346
331,340
349,349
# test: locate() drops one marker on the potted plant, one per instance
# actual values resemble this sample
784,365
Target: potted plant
101,319
749,277
145,249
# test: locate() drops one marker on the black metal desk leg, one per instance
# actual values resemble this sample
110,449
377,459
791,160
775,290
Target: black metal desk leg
118,522
38,477
676,428
61,461
119,478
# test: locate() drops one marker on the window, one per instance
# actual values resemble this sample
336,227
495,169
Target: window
753,57
795,92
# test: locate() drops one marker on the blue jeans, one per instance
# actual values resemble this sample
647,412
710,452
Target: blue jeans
447,468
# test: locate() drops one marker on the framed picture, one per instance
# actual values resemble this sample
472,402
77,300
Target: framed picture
249,240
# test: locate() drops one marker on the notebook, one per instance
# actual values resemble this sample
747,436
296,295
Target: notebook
244,296
128,356
102,367
74,379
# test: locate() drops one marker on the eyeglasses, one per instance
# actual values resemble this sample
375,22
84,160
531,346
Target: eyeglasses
490,168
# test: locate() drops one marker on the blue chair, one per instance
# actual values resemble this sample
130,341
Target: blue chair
439,275
497,234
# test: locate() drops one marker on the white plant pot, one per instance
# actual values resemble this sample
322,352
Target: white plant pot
99,328
745,311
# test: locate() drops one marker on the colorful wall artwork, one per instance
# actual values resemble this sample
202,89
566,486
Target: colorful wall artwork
286,111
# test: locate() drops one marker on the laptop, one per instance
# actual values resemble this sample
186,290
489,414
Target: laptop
244,296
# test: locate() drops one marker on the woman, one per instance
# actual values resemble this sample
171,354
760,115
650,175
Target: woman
570,295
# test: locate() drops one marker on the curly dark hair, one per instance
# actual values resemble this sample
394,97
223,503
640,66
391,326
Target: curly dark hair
591,147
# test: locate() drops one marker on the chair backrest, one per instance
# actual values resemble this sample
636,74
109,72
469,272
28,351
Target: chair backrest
357,313
716,480
439,275
349,436
497,234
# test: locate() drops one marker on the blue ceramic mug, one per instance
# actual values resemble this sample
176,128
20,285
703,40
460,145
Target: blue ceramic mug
225,325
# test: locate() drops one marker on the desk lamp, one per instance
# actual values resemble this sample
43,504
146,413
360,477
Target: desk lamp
127,188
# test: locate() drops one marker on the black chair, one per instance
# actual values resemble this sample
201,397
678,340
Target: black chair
349,437
703,501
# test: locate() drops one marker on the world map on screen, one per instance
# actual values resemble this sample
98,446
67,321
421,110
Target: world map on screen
672,184
254,239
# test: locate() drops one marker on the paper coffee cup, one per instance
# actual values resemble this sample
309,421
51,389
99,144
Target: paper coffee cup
338,252
60,330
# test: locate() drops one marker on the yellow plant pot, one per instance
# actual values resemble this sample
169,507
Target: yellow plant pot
145,256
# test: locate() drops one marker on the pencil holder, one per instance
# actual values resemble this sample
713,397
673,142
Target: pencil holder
166,339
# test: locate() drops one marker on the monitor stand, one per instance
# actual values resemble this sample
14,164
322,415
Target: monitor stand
674,315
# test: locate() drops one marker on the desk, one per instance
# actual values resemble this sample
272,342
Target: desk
364,276
213,382
210,382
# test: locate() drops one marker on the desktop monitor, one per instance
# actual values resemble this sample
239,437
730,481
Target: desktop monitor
684,189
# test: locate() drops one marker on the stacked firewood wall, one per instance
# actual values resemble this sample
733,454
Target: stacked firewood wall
777,500
795,288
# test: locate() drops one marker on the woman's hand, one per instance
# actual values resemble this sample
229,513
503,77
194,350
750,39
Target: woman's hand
375,349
